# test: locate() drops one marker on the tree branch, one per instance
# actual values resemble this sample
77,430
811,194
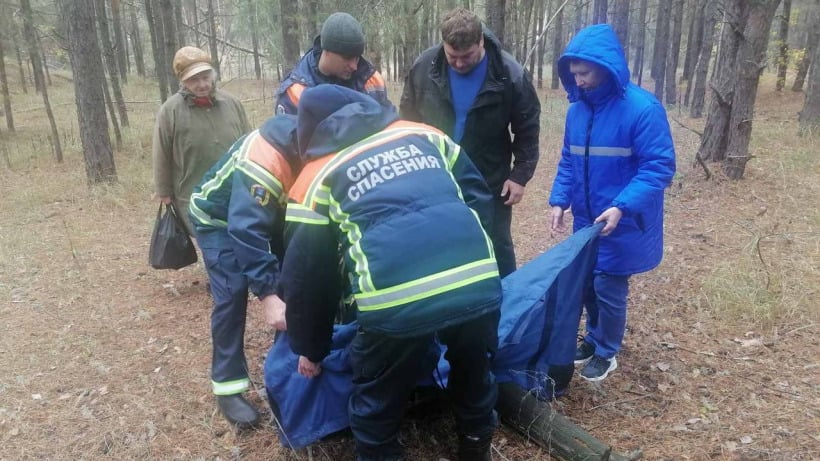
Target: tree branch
544,31
226,43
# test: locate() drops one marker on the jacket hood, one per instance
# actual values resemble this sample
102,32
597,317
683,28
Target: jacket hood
600,45
490,40
332,117
280,132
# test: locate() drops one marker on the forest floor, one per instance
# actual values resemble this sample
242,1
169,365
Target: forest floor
105,358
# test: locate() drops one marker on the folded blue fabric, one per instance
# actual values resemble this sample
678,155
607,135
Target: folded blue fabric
537,332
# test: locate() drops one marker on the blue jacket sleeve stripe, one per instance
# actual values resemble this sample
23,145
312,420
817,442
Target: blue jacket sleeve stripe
602,151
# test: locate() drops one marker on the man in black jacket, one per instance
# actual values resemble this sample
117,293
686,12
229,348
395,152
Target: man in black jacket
483,99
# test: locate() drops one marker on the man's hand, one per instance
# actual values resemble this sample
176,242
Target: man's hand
515,191
309,369
611,216
275,312
165,200
557,223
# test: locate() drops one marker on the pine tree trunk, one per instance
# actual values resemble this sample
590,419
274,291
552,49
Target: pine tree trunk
579,15
16,44
136,41
751,61
637,66
671,70
37,72
155,30
539,61
659,55
810,115
43,60
290,32
693,44
194,12
212,38
715,133
312,19
557,47
169,42
495,15
704,57
112,112
4,87
530,56
89,80
812,39
179,24
620,22
110,60
783,42
254,25
693,40
426,21
527,6
411,34
599,12
120,47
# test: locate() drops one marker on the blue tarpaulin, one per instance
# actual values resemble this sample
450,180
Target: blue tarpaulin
537,332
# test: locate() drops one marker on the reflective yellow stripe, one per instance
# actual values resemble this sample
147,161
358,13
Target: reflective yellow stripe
428,286
299,213
322,195
204,218
231,387
261,176
354,237
215,183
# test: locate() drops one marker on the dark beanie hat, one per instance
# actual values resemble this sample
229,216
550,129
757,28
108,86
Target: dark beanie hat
342,34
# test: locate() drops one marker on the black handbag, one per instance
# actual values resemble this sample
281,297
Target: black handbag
171,246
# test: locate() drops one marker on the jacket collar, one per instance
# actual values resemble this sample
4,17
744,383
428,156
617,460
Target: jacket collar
188,97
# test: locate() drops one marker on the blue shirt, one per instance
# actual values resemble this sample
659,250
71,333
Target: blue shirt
463,90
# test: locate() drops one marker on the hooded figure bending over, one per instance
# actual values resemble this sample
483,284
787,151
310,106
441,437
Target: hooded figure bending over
373,191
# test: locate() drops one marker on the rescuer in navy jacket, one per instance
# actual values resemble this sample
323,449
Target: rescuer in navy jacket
405,208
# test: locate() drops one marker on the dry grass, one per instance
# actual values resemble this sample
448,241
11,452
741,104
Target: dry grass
106,358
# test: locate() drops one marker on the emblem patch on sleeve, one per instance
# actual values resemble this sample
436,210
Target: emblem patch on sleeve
261,194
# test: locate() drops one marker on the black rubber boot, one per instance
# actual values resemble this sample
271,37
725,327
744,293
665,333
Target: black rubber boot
238,411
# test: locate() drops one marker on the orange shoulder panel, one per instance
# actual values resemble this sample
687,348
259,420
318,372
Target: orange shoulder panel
375,82
266,156
295,92
306,177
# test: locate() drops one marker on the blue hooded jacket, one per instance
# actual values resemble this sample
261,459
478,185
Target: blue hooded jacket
404,207
618,151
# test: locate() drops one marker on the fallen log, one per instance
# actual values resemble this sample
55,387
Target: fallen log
550,430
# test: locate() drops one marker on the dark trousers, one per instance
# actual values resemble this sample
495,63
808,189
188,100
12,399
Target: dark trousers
605,303
229,288
502,237
386,370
